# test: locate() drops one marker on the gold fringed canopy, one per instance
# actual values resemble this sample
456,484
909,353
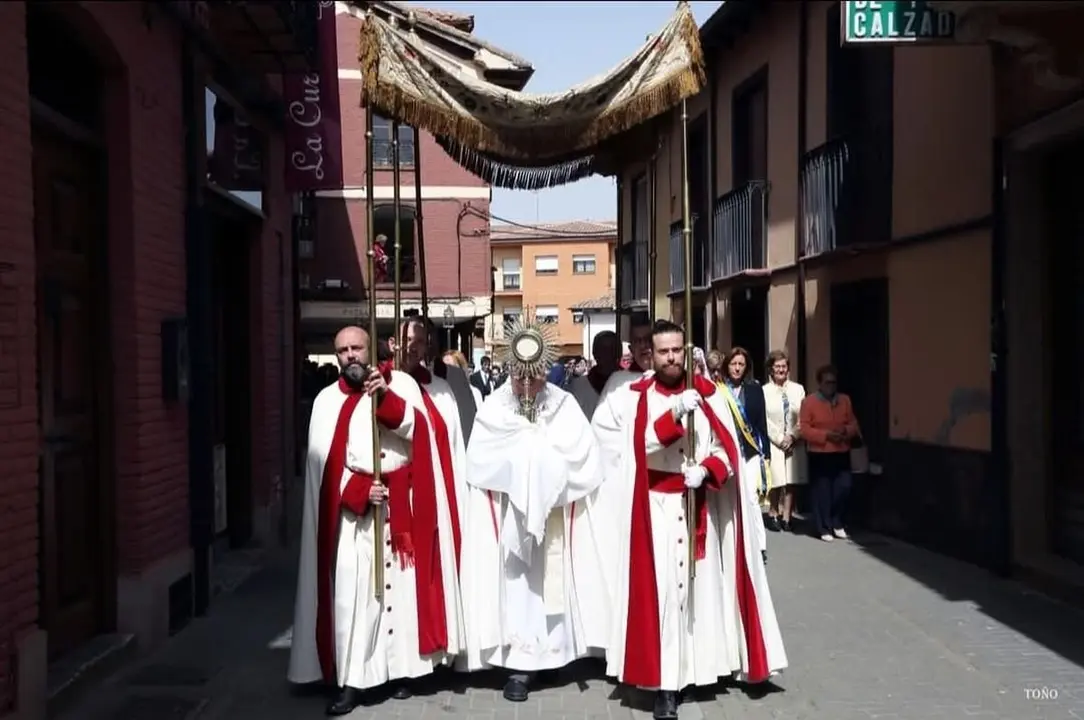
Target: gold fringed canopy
520,140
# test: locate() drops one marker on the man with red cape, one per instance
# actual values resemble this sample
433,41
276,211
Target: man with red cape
342,633
671,631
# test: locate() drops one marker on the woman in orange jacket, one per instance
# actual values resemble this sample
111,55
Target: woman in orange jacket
829,428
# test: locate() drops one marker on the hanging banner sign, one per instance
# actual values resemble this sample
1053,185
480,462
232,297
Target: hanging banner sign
313,118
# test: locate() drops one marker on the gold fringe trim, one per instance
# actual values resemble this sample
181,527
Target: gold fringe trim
543,158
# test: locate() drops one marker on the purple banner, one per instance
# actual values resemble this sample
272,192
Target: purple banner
314,158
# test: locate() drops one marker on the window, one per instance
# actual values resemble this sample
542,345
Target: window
510,273
545,265
583,264
511,315
547,313
749,151
384,224
382,152
577,317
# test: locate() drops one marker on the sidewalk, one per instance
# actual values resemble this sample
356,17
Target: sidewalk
865,640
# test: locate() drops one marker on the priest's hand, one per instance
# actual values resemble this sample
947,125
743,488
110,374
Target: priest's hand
694,476
375,385
378,494
687,402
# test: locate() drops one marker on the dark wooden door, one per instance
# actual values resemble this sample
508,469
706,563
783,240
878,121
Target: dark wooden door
859,340
68,235
749,325
1064,188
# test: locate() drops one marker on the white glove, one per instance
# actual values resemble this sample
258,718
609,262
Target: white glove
688,401
694,476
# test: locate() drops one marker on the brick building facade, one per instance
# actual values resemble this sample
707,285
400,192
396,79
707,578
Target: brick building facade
455,203
111,268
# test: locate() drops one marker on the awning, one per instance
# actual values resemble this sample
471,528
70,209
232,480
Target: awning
524,140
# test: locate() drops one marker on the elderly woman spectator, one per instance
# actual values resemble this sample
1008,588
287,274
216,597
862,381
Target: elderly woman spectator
828,426
782,401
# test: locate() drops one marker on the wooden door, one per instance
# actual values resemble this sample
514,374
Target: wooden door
1064,188
68,235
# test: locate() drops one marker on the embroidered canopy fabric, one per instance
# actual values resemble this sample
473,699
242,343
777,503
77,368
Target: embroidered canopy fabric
524,140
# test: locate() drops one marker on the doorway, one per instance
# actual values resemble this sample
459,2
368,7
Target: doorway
74,362
232,233
859,342
1064,187
749,325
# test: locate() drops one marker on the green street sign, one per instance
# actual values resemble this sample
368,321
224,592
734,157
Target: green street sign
896,22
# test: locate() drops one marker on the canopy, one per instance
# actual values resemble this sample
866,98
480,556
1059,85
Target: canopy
523,140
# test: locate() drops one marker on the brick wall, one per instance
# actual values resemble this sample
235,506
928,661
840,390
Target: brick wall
147,266
272,325
18,401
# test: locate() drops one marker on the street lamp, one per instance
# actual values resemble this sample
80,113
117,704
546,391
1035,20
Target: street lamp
449,324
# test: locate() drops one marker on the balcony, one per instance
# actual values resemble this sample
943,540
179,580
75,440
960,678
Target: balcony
677,255
740,222
508,283
634,260
829,190
271,36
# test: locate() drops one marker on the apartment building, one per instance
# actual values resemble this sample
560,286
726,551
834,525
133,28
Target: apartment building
452,221
562,273
894,188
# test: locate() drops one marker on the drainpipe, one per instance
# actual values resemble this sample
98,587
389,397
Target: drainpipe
802,360
198,261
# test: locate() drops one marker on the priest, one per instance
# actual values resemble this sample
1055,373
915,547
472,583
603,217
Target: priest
534,595
671,630
438,404
606,352
347,631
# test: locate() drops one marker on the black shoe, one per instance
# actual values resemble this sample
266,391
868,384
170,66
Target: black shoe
772,523
785,526
764,556
666,705
401,691
345,702
515,690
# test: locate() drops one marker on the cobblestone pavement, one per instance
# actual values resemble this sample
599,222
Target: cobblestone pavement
873,630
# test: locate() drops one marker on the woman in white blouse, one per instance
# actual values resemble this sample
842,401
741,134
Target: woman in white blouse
782,399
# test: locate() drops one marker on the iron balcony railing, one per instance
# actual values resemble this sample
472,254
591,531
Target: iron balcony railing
740,222
828,188
700,255
634,270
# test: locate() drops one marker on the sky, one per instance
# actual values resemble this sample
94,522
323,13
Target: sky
567,42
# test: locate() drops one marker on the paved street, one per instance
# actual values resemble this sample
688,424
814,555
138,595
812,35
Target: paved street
879,630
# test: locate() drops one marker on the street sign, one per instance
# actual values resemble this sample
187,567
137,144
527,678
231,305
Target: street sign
896,22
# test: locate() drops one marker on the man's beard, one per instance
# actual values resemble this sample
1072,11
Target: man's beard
355,373
669,375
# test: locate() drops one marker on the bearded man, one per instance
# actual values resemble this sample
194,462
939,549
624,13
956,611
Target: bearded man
534,591
346,632
671,630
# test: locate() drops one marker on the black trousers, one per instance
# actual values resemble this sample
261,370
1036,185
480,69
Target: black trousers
829,489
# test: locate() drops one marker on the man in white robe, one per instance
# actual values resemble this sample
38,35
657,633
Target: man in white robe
342,633
533,592
669,630
440,407
586,388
